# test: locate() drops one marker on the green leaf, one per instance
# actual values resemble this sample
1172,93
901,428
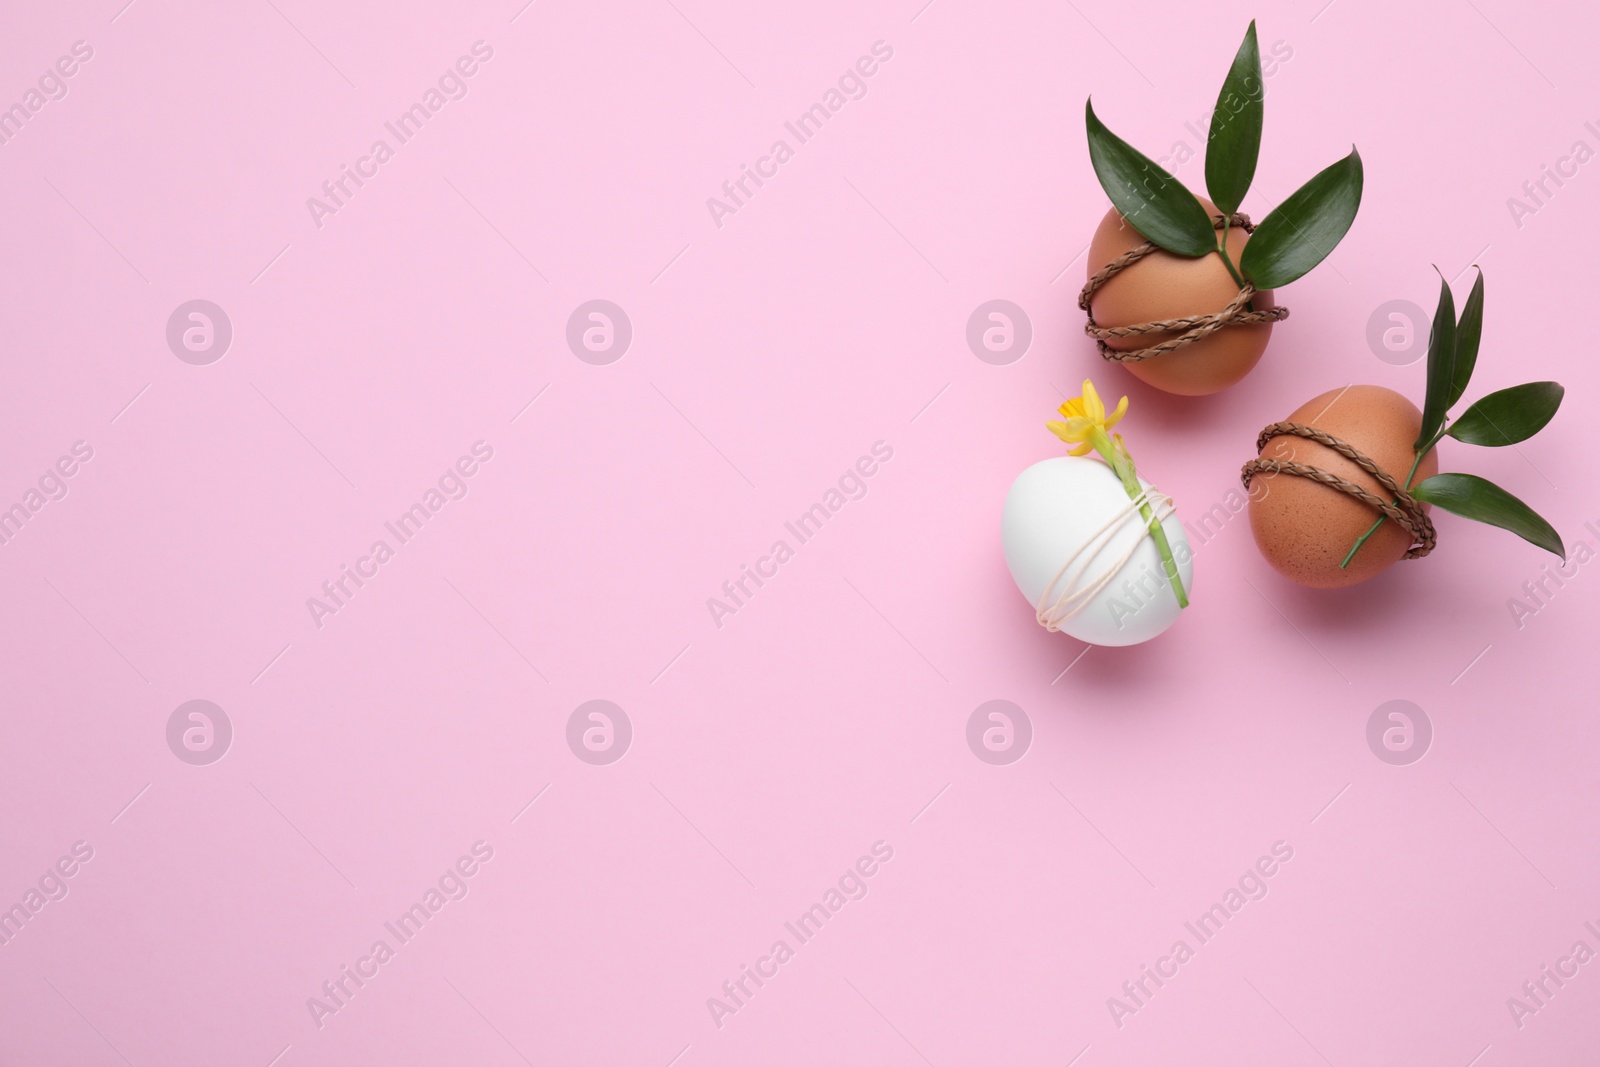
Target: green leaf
1152,200
1235,141
1441,366
1300,232
1508,416
1479,499
1468,331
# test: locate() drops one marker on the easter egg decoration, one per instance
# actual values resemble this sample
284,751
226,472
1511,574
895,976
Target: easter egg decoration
1328,506
1098,551
1302,526
1180,288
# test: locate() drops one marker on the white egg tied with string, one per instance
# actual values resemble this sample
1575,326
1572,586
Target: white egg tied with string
1083,556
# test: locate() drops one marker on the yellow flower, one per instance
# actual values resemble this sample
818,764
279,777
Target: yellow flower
1085,415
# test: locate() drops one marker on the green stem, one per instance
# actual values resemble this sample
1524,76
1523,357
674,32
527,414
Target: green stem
1222,250
1122,464
1415,463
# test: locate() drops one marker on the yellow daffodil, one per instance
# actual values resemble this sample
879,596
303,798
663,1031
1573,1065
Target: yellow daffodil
1085,416
1087,426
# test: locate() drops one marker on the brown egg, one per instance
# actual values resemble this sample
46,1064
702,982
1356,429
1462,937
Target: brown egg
1305,528
1165,286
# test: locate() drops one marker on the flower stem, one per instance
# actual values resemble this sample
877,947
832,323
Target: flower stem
1222,250
1415,463
1168,564
1122,464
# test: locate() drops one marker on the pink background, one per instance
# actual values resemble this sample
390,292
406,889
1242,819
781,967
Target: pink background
830,712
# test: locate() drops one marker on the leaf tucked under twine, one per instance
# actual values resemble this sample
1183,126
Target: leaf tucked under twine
1300,232
1155,202
1469,330
1441,367
1188,329
1509,415
1235,141
1501,418
1479,499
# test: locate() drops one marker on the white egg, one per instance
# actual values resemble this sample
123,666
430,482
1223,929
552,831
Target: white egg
1072,511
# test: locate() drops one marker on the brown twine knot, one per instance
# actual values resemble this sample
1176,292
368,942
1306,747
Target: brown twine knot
1194,327
1404,509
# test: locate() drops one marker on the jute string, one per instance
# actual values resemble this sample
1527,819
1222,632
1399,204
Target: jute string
1404,509
1193,327
1074,597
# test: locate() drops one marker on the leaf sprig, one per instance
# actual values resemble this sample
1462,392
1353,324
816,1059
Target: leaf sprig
1293,237
1501,418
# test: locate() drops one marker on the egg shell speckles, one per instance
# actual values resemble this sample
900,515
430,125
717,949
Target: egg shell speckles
1304,528
1165,286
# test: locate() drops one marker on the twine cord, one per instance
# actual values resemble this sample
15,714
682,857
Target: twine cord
1074,598
1191,328
1404,509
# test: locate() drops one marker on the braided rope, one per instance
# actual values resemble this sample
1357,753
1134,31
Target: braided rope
1404,510
1194,327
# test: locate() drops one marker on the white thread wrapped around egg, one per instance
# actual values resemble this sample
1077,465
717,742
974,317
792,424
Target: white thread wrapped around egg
1082,554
